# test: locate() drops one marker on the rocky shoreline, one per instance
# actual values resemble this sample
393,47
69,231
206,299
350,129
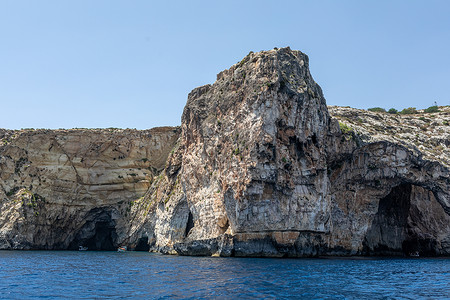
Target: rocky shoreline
259,167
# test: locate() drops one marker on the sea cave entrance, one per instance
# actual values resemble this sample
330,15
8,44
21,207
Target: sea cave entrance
98,232
403,224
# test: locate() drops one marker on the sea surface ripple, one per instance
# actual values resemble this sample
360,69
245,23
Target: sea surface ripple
112,275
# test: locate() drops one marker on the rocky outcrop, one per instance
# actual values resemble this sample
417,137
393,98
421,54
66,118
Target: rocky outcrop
425,134
265,171
260,168
60,189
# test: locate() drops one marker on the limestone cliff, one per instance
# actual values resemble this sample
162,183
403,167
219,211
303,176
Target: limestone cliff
260,168
263,170
425,134
63,188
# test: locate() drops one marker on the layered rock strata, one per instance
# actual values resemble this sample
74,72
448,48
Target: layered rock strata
60,189
260,168
425,134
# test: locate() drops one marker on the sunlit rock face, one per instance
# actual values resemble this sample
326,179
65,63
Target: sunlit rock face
254,161
60,189
263,170
424,134
257,168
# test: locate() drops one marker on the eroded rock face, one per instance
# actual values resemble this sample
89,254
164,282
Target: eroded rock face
60,189
258,168
254,159
425,134
408,219
381,183
265,171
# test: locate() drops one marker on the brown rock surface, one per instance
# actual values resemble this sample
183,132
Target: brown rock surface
65,188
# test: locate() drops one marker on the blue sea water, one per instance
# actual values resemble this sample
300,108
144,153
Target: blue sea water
112,275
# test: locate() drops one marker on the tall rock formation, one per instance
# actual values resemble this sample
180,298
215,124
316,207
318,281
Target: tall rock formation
265,171
259,169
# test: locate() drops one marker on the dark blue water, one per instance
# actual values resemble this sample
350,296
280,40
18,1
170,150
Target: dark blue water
53,274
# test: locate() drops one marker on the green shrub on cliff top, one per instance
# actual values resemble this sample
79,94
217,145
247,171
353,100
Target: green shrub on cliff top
431,109
345,128
377,109
409,111
393,111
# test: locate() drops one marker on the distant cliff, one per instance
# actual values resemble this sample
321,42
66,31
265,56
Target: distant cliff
425,134
258,168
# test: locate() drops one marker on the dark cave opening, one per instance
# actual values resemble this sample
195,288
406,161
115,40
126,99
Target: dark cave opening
189,225
142,244
422,246
103,238
395,227
387,233
98,233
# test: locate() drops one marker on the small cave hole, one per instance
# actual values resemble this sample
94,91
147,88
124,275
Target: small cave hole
189,225
314,140
142,244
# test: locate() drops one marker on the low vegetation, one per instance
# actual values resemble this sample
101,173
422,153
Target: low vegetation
431,109
393,111
377,109
345,129
425,131
409,111
405,111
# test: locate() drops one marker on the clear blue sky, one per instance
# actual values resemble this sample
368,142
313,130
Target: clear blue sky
131,64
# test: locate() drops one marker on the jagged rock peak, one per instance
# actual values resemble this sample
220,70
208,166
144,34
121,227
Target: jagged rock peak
271,60
274,70
263,85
